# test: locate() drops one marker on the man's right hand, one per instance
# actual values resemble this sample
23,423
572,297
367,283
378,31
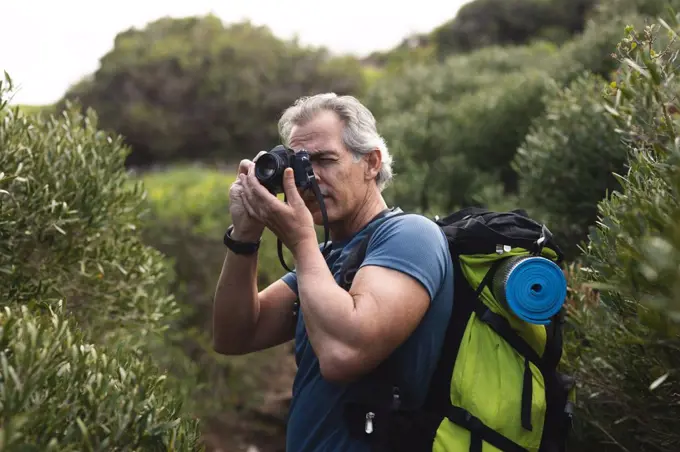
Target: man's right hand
246,227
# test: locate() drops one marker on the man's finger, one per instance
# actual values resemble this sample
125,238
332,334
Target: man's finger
244,166
290,189
251,200
257,189
249,208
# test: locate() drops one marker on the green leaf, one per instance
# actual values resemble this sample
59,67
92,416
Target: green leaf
656,383
637,67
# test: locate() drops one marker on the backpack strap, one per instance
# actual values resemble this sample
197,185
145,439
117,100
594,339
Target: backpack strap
382,396
480,432
353,262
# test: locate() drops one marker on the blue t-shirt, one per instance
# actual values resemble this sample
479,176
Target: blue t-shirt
409,243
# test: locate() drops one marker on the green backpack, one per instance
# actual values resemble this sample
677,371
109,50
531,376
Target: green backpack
496,386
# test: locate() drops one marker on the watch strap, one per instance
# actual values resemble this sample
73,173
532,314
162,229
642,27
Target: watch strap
238,247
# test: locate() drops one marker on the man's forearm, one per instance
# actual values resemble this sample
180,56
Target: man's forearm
332,317
235,309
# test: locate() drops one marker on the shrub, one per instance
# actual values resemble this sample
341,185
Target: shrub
481,23
69,224
69,237
627,400
450,145
196,200
493,121
628,352
636,248
458,75
60,392
651,8
591,51
567,162
427,169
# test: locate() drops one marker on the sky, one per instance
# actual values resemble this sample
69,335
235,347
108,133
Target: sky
48,45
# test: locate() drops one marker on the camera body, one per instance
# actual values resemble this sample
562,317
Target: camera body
269,168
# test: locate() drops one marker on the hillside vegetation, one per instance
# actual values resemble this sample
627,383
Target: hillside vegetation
113,203
85,301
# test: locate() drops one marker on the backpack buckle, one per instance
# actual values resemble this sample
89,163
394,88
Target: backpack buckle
543,240
500,248
474,424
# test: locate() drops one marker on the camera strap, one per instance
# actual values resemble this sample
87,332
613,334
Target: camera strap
324,215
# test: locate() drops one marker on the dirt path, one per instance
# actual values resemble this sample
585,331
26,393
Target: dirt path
262,429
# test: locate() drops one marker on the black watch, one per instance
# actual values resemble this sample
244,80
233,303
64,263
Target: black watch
239,247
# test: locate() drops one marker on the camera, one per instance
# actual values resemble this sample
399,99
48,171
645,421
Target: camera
269,168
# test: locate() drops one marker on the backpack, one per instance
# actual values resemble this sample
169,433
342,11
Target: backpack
496,385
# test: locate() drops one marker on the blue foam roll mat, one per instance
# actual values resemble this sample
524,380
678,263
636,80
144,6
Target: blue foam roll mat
532,287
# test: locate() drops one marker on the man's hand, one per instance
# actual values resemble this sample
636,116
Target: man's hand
291,222
246,227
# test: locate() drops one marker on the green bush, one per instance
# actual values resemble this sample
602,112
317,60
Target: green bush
650,8
626,372
591,51
454,136
424,162
69,224
194,88
493,121
481,23
196,200
188,212
567,162
69,236
61,393
626,349
458,75
636,248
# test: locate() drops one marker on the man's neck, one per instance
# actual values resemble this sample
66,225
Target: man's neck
369,209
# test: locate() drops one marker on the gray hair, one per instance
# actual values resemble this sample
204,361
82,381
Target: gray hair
360,134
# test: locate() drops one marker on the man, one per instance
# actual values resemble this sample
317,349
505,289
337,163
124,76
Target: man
399,303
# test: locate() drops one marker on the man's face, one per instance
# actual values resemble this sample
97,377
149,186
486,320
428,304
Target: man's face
341,180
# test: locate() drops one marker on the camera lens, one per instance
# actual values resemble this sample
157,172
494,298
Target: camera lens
267,166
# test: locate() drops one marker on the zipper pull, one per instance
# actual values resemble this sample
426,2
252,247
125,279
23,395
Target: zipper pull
369,422
396,401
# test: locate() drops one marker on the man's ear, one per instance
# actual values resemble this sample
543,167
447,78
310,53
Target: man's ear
373,161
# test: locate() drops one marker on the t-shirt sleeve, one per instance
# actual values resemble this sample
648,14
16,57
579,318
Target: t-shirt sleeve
290,279
414,245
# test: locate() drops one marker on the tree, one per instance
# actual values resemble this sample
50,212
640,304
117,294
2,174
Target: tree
569,159
193,89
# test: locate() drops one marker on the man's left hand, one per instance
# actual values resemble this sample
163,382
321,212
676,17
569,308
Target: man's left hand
291,222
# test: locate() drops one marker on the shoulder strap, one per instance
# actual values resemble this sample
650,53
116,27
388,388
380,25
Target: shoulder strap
351,265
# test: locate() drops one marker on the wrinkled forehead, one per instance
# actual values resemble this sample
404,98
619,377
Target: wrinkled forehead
312,142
